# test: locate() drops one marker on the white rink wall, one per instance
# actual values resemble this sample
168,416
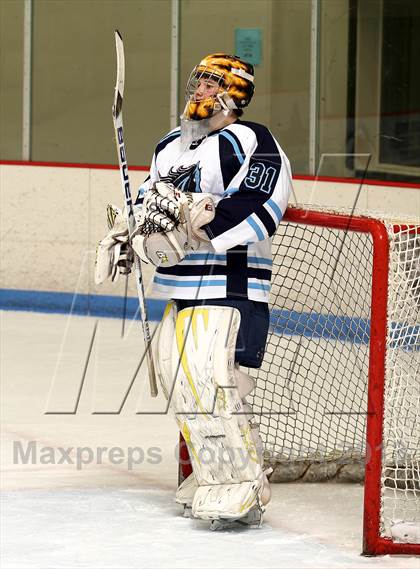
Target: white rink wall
52,218
51,221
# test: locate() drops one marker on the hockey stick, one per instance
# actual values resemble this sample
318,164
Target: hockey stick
122,161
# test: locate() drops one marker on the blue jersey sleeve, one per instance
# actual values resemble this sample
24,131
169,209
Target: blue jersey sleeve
256,197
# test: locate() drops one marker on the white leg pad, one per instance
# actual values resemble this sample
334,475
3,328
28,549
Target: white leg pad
206,397
162,349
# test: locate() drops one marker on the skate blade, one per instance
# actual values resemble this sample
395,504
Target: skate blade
253,520
187,513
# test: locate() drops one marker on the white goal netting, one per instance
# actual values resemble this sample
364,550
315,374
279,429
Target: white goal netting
312,389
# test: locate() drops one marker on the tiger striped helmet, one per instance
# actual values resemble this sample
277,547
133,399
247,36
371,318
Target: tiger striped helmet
233,78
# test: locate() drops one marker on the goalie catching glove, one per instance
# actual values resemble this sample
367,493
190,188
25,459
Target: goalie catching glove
161,209
170,225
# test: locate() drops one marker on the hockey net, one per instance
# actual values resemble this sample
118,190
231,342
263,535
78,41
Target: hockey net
339,385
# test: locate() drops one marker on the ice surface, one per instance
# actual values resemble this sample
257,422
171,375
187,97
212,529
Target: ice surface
103,513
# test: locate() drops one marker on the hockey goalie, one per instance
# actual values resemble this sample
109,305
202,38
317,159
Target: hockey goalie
217,190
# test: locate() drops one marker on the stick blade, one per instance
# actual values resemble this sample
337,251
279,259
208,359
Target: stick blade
119,84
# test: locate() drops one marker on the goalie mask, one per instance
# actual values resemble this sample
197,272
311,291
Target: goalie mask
219,82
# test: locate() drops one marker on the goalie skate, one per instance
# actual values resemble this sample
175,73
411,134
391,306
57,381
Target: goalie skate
185,495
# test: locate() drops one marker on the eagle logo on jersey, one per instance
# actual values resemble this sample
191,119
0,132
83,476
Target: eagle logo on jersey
185,178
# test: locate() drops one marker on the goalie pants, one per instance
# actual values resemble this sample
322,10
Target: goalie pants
253,331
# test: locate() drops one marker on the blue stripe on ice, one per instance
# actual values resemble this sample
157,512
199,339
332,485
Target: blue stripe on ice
313,325
283,322
80,304
339,327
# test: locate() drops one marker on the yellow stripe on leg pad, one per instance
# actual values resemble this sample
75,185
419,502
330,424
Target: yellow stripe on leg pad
167,310
186,315
185,431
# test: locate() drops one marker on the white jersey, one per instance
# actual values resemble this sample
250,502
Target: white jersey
247,172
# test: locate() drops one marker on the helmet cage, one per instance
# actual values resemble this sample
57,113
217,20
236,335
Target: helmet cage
202,73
